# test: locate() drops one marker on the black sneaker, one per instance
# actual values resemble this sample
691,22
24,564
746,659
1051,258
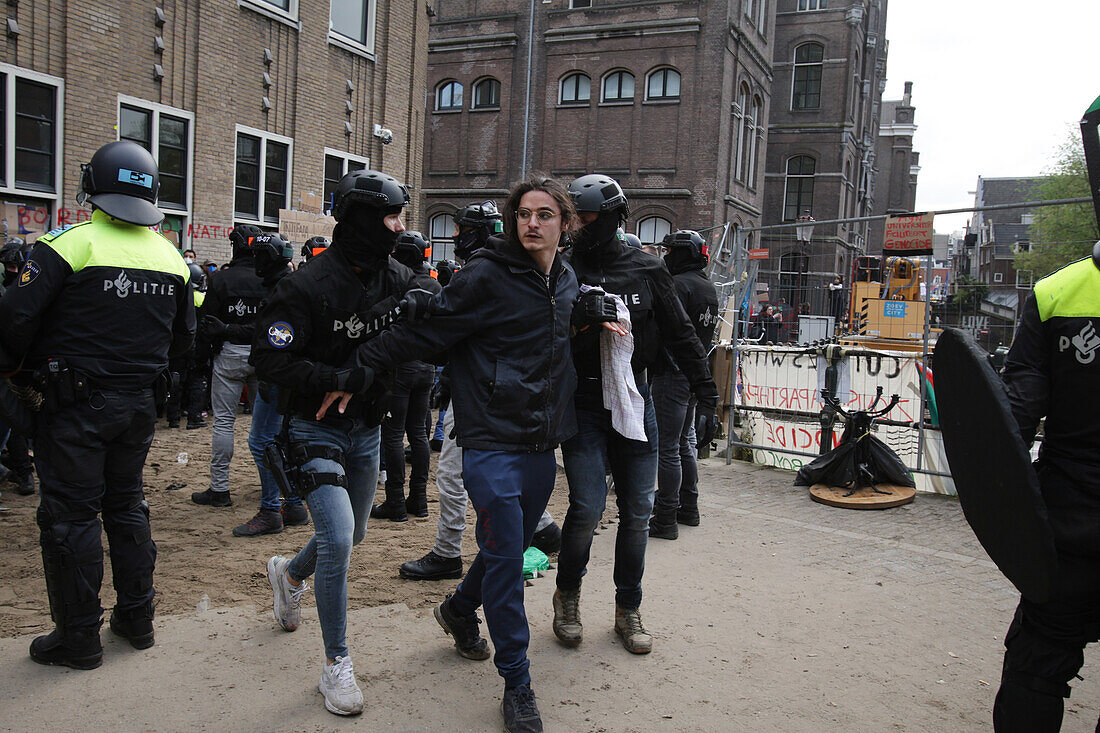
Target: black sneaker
432,567
663,531
24,483
548,539
81,650
295,515
689,517
173,424
436,445
393,510
464,629
135,624
266,521
196,424
521,714
212,498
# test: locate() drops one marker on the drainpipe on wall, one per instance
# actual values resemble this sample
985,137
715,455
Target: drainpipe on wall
527,102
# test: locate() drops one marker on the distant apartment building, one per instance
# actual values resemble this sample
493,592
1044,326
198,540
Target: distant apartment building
998,235
829,61
246,104
669,98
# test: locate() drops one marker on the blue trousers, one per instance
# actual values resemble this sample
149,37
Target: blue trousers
509,491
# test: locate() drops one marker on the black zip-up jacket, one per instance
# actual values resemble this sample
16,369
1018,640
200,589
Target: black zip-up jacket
658,319
242,333
424,281
700,301
505,326
313,322
234,294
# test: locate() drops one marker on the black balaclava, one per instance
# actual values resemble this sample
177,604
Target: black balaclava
269,267
470,240
682,259
362,236
9,277
593,236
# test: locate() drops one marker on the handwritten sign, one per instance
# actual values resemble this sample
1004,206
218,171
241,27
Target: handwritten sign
908,235
300,226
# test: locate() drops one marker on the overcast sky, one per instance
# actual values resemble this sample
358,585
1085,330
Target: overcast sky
996,87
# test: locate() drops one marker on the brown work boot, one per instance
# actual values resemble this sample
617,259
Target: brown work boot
567,616
628,625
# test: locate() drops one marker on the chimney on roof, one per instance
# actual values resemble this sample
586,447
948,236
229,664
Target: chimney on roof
907,98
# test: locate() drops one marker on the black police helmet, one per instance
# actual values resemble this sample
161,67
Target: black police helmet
198,276
315,246
597,193
411,249
688,246
369,188
632,240
123,180
272,246
14,253
475,215
241,238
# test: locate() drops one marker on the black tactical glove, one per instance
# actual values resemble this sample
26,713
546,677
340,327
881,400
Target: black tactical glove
706,427
355,379
417,305
706,419
214,328
440,395
594,307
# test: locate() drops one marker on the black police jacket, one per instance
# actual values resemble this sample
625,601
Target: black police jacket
312,324
110,298
700,301
658,319
505,325
234,294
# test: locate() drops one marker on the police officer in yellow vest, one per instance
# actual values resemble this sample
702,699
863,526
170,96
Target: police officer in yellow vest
1052,371
98,309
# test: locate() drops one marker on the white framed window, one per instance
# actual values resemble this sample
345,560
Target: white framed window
576,89
351,24
31,132
654,230
448,96
167,133
756,126
754,11
486,94
663,84
263,176
998,277
799,189
1024,279
441,231
281,10
337,165
580,3
813,4
618,86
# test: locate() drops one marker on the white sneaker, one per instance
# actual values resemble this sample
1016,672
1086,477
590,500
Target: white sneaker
287,598
382,478
342,694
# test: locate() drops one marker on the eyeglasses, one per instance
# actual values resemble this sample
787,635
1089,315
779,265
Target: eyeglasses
543,215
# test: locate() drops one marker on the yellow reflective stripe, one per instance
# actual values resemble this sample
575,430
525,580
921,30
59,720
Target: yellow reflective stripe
107,242
1072,292
199,298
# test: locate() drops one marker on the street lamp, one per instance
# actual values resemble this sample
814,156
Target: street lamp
804,232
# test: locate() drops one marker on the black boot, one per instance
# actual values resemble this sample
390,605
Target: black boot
417,503
135,624
24,483
663,525
432,567
76,649
548,539
393,508
212,498
688,515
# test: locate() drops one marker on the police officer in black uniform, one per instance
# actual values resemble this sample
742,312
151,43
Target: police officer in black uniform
1052,371
677,500
305,342
408,406
97,418
12,256
658,322
233,297
315,246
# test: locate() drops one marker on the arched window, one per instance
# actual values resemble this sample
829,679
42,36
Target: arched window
800,187
576,89
448,96
757,118
743,127
487,94
618,86
653,230
663,84
441,232
806,89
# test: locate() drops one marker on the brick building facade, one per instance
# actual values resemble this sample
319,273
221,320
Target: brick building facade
830,71
669,98
247,104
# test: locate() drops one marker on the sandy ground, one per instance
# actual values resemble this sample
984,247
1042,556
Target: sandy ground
777,614
197,553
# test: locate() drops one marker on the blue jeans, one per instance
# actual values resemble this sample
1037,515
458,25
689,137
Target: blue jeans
634,467
509,491
677,471
266,424
339,517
